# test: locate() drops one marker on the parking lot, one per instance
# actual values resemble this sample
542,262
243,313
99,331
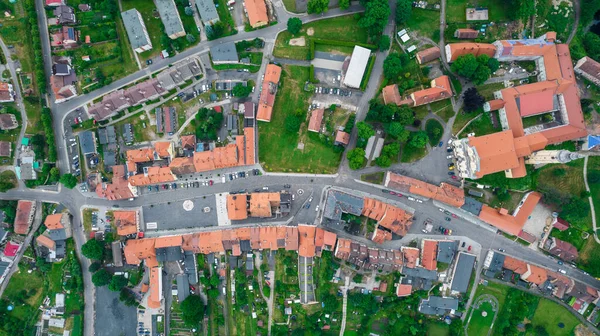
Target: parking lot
307,288
193,213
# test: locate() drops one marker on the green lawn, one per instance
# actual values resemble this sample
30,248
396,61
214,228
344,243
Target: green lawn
443,108
33,283
594,164
550,314
487,90
436,329
497,290
376,178
278,148
497,10
480,325
11,135
425,21
290,5
482,126
153,25
342,28
14,32
434,130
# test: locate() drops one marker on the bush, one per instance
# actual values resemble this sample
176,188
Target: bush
292,123
68,180
356,158
101,278
350,123
49,133
311,75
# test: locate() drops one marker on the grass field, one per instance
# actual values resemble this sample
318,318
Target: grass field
497,9
570,183
342,28
549,314
33,111
479,325
376,178
14,32
594,164
154,25
443,108
434,130
425,21
487,90
33,283
278,149
437,329
482,126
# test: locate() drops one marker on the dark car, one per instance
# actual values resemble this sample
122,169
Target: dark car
148,62
450,164
174,185
441,144
448,219
449,150
450,173
242,191
257,190
463,244
287,186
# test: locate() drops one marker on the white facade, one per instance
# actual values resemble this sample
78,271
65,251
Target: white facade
357,67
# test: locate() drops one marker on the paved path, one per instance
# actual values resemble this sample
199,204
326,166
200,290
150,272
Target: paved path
344,304
577,8
587,188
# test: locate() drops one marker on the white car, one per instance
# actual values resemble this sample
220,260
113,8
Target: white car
441,210
317,209
411,199
449,157
562,271
419,201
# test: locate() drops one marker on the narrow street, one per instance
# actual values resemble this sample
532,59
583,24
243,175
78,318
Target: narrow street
344,304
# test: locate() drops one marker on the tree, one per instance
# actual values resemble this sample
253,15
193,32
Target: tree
94,267
127,298
375,17
68,180
192,309
456,327
391,150
54,175
383,161
405,115
294,25
384,43
101,278
481,74
190,38
44,266
419,139
591,43
317,6
493,64
344,4
465,65
189,11
356,158
117,283
593,176
365,131
403,137
93,249
241,91
472,100
292,123
392,66
403,11
394,129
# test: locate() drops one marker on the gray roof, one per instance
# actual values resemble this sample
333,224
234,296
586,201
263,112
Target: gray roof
117,254
420,272
136,29
3,266
462,272
171,253
436,305
189,262
183,287
87,143
497,262
225,52
107,135
110,157
58,234
245,246
472,205
169,16
208,11
61,248
128,133
446,251
338,202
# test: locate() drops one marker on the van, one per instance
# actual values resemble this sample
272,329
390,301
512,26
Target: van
223,179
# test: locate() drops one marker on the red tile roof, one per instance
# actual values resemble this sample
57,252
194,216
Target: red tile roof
23,217
429,254
391,95
403,290
54,222
316,118
342,137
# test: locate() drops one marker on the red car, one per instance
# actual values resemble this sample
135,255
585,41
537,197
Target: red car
392,193
455,216
76,121
268,283
469,249
446,232
454,177
210,182
399,195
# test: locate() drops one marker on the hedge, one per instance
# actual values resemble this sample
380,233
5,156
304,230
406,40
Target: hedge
311,75
313,42
49,133
38,60
365,80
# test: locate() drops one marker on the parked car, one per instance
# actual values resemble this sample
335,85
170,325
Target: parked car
454,177
469,249
448,219
451,173
441,144
449,157
501,250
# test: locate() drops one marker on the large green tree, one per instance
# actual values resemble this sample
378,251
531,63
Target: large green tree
384,43
375,17
365,131
294,25
356,158
392,66
68,180
241,91
117,282
403,11
192,309
344,4
101,278
317,6
419,140
93,249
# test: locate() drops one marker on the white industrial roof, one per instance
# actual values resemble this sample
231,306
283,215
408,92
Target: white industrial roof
356,69
405,38
411,48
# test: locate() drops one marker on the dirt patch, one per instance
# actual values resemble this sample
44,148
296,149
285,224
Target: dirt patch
581,330
310,31
298,42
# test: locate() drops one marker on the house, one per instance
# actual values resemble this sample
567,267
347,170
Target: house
24,216
52,243
588,68
555,94
55,3
341,138
247,109
107,135
440,89
188,142
268,92
316,118
462,272
84,7
356,68
65,14
428,55
8,121
561,224
262,205
391,95
512,224
136,31
466,33
127,222
87,142
6,93
561,249
170,18
5,148
117,253
63,80
446,250
436,305
208,12
445,193
257,13
429,254
66,37
455,50
119,189
224,53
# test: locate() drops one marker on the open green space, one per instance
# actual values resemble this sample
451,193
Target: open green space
142,130
278,147
153,24
411,153
425,21
443,108
341,28
594,165
479,324
11,135
14,33
497,10
487,90
551,315
434,130
290,5
481,126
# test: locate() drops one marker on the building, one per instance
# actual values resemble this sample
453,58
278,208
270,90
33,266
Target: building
589,69
170,18
87,142
440,89
208,11
462,272
446,250
5,148
247,109
342,138
136,30
224,53
512,224
357,67
316,118
6,93
261,205
127,222
65,37
65,15
257,13
119,189
429,254
428,55
445,193
8,121
117,253
436,305
107,135
52,243
24,216
455,50
63,79
268,92
477,14
54,3
391,95
561,249
555,94
338,203
466,33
